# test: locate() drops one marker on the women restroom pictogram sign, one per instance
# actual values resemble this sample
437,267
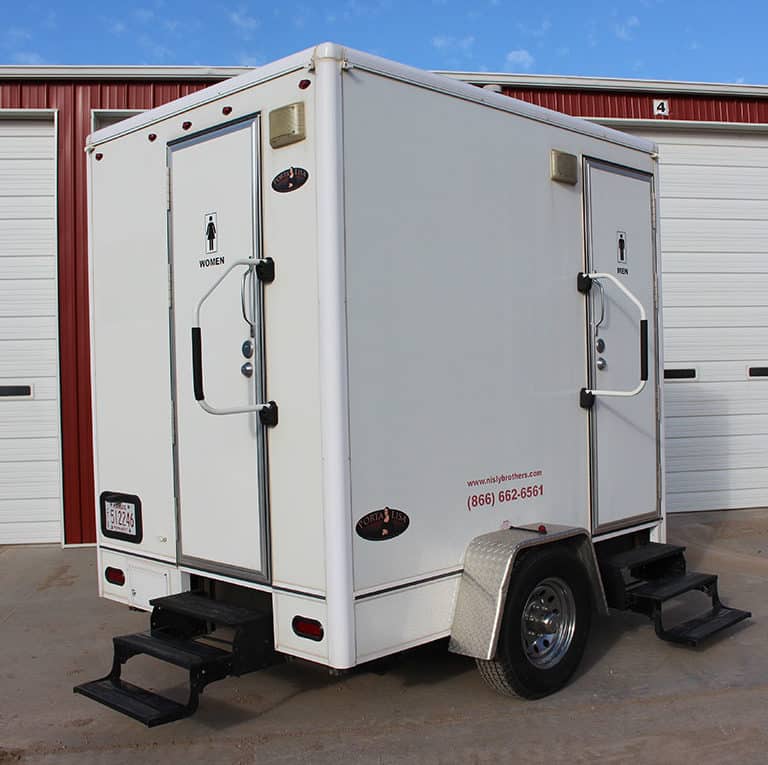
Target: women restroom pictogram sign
211,232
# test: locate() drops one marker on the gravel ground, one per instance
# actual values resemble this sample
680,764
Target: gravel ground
635,699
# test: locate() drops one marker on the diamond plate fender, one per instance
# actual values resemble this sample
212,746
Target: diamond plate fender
488,563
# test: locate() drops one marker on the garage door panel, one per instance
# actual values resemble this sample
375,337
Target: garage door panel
27,268
30,465
717,236
716,155
29,419
29,510
731,498
670,139
719,316
715,425
704,344
16,207
27,297
718,480
705,182
715,263
26,176
715,208
26,127
27,147
715,371
717,453
29,480
712,290
33,327
700,399
28,358
28,533
27,238
27,449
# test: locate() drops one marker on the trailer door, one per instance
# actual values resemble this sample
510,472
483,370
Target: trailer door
217,333
624,427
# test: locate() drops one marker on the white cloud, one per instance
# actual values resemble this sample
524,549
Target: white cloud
16,35
24,57
157,52
624,30
459,45
245,24
537,31
520,58
247,59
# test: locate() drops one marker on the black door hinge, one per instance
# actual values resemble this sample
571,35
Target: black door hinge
265,270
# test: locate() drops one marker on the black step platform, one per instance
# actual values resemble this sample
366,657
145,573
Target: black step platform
135,702
199,606
187,654
702,627
647,576
180,635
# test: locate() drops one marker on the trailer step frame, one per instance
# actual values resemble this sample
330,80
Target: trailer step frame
180,626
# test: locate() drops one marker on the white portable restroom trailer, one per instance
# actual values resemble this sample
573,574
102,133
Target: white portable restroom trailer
375,362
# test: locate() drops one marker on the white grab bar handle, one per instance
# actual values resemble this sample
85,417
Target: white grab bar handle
588,394
267,411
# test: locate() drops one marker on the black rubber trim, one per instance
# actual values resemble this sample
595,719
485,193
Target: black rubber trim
644,349
197,363
15,390
682,374
405,586
758,371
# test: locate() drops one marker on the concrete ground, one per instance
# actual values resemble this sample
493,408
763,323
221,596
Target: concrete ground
635,699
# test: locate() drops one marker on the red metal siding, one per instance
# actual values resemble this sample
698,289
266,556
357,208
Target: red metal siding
74,101
640,105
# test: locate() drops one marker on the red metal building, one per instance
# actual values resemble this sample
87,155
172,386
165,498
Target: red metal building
713,143
44,110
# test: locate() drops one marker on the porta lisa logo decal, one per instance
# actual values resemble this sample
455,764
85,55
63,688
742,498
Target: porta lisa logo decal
383,524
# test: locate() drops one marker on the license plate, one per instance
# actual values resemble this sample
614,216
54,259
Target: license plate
120,517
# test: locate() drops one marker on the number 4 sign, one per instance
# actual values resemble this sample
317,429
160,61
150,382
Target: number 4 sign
660,107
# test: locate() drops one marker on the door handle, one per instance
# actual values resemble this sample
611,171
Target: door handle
584,283
267,411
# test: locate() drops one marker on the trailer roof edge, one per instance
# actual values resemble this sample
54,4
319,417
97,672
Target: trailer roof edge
375,64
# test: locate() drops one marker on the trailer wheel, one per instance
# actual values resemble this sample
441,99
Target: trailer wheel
545,626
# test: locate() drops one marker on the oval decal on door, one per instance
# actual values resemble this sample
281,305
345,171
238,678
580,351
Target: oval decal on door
383,524
289,180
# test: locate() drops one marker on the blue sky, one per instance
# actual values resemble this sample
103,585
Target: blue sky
665,39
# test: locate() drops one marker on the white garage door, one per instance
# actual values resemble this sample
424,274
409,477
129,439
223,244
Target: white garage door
30,466
714,234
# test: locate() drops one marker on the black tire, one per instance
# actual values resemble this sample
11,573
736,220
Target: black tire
533,664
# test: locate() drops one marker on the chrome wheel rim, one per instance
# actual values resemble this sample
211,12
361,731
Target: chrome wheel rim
548,622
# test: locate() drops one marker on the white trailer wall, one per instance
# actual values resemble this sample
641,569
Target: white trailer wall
30,469
714,235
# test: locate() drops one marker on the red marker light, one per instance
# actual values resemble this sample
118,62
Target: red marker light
114,576
152,136
186,125
542,529
308,628
226,110
304,84
99,156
